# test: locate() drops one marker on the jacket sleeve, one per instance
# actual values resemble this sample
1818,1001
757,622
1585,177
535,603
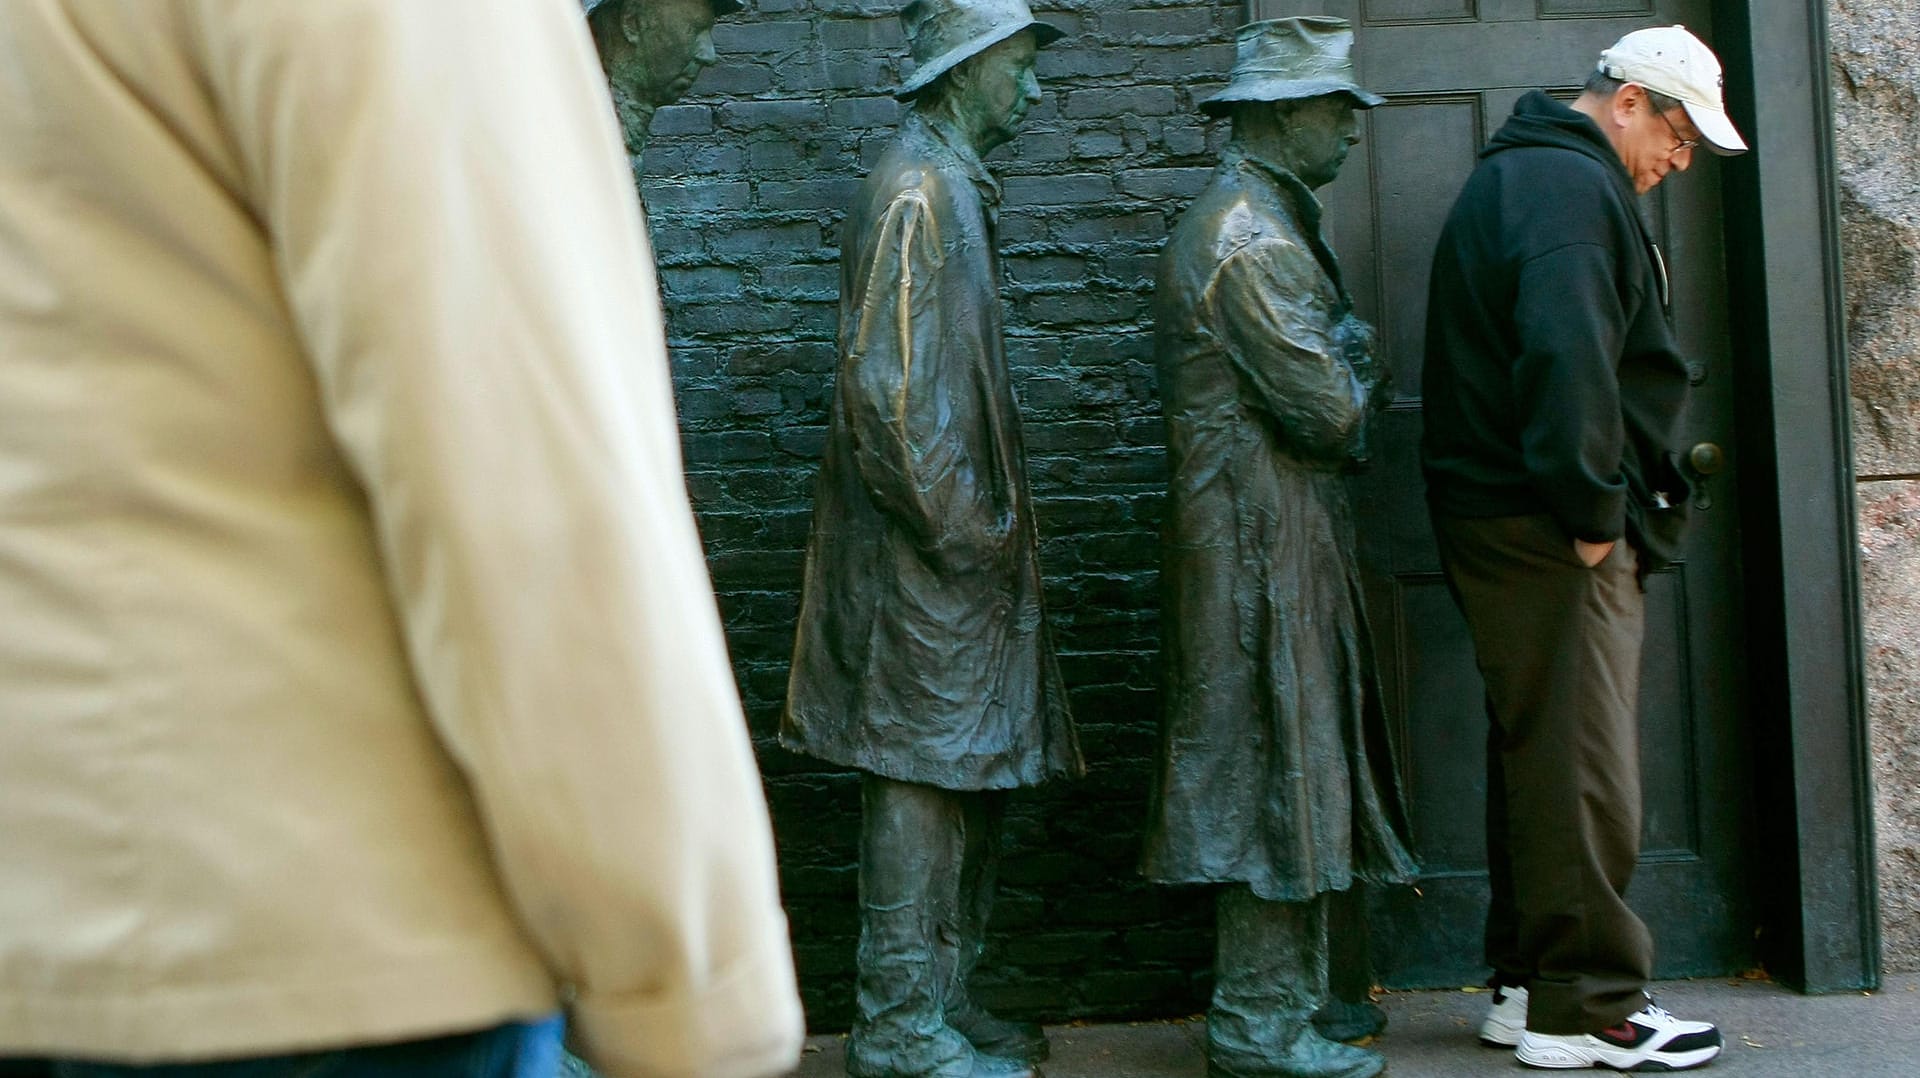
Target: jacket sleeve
915,428
1282,344
455,229
1571,326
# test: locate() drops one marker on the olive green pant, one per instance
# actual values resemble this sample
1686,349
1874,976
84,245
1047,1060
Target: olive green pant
1558,645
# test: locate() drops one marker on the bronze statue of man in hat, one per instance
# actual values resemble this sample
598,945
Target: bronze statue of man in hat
652,50
1276,777
922,656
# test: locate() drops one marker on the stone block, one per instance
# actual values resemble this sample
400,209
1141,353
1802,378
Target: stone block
700,281
702,319
1209,62
759,35
1876,65
858,73
755,115
827,193
675,158
1039,146
1147,226
880,34
1055,948
1044,394
736,76
1077,63
1085,306
699,195
729,446
682,120
1098,101
1159,26
753,357
820,281
1157,183
778,156
1041,269
864,112
755,241
1098,144
1876,53
1890,586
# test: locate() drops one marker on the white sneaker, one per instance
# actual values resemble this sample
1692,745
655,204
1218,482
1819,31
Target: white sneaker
1649,1040
1506,1018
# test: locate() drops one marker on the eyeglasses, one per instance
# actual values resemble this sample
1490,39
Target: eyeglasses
1684,143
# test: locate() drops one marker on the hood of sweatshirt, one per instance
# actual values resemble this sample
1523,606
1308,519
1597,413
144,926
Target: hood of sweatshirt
1539,120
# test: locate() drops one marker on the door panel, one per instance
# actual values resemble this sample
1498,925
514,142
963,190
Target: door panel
1452,70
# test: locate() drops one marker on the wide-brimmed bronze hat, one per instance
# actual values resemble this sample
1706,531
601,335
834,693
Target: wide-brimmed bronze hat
942,33
1290,59
720,7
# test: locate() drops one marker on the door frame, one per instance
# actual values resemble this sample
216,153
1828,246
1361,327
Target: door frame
1820,927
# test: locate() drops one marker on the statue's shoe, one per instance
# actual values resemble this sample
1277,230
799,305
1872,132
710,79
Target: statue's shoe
1309,1056
986,1066
1342,1021
1001,1037
970,1064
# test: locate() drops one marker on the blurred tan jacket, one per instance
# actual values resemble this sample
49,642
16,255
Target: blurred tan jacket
360,676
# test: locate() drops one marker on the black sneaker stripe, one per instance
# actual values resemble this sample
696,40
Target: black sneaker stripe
1641,1035
1692,1041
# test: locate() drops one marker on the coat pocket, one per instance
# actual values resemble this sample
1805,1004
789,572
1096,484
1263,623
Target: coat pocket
1657,501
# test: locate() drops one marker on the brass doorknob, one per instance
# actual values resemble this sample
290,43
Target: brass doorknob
1706,459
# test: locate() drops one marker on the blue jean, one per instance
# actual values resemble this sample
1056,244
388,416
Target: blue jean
514,1050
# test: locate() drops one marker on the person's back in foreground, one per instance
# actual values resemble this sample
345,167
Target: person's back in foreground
1553,394
361,683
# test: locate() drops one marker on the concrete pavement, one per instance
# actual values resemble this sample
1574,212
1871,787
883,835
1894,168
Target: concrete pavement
1771,1032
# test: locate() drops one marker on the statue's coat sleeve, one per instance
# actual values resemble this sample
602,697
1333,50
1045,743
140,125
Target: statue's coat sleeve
911,448
1268,313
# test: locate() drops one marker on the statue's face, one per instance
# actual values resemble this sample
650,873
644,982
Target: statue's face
1320,131
997,87
662,46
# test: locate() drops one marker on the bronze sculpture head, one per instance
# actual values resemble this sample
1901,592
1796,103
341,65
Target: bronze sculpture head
652,51
1292,95
974,62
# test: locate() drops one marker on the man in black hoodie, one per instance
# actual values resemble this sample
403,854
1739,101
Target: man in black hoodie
1553,390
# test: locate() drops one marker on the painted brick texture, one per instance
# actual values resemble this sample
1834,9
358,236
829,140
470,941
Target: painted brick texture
745,182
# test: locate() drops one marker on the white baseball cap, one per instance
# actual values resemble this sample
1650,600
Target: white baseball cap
1669,60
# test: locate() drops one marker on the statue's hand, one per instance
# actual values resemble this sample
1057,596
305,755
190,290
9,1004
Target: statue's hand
1356,341
974,547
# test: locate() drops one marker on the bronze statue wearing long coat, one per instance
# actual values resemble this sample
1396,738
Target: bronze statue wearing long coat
1276,769
923,653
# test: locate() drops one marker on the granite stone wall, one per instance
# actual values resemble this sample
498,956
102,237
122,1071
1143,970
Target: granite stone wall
1876,70
746,182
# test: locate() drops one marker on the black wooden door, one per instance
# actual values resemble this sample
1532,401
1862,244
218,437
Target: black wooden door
1452,70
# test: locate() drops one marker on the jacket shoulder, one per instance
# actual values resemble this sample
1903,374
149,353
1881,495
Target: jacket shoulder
1555,171
1227,229
1227,217
909,171
1545,197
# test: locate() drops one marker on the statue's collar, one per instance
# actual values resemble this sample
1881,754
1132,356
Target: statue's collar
1302,196
1304,203
950,141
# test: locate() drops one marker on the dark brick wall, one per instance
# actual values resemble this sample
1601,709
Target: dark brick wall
745,181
